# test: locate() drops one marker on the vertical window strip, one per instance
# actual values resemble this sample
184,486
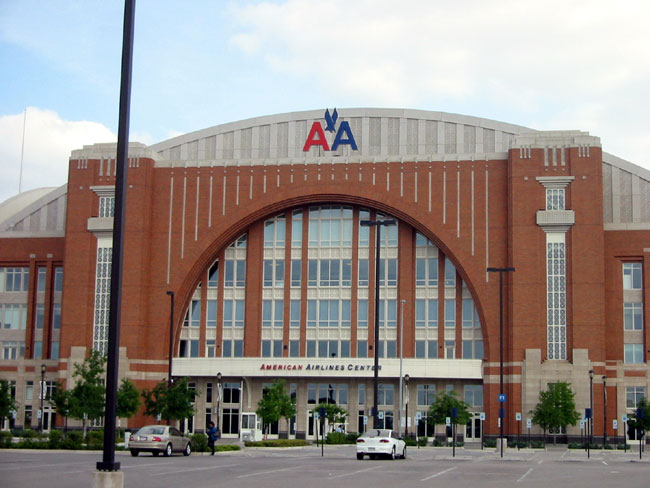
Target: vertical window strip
102,299
556,299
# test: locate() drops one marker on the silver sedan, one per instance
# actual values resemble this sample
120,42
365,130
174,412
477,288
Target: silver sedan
159,438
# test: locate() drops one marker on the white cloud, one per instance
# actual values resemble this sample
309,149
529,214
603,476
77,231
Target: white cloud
48,144
513,60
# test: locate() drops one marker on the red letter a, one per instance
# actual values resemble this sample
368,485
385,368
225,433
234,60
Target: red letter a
312,140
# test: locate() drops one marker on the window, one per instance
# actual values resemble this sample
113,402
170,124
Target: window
426,313
385,394
473,349
14,350
213,276
450,349
450,273
274,232
294,348
38,350
272,313
14,279
58,279
189,348
555,199
556,301
193,316
426,272
363,273
330,226
633,394
362,313
55,350
56,316
235,273
450,313
296,229
362,349
633,316
294,319
426,394
329,272
40,315
211,311
106,207
13,316
328,313
634,353
29,391
388,313
311,393
40,283
388,272
271,349
426,349
296,272
632,279
233,348
474,395
470,315
211,348
362,394
274,273
233,313
231,392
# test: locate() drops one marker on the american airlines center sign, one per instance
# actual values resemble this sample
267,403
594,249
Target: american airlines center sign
343,135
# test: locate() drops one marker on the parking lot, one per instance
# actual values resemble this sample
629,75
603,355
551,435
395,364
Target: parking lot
281,468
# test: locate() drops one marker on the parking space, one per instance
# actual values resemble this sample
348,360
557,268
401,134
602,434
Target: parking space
269,468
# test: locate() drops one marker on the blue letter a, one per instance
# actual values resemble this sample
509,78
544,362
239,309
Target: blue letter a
344,128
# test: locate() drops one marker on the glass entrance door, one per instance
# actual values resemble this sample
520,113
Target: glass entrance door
473,429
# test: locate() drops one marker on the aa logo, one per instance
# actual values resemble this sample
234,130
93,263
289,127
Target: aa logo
316,135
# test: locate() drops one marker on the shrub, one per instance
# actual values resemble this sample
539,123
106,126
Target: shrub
30,443
489,443
537,444
199,442
576,445
352,437
337,438
609,447
72,440
422,441
622,446
95,439
278,443
227,447
55,439
438,443
5,439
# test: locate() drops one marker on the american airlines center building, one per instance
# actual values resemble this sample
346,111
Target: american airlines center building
257,232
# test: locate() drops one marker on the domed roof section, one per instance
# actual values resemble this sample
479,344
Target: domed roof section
34,213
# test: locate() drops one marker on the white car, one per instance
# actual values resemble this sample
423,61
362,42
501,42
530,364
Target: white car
380,442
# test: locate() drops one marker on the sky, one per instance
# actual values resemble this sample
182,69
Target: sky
552,65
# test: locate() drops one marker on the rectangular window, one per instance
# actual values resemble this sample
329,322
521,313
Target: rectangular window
362,313
388,272
40,315
362,349
56,316
633,316
227,349
296,272
388,313
211,348
211,310
213,276
239,348
272,313
296,229
38,350
363,273
420,349
40,283
294,349
450,349
386,395
426,394
634,353
450,313
233,313
311,393
58,279
474,395
632,276
450,274
15,279
294,320
29,391
194,348
555,199
55,350
432,349
426,313
311,349
634,394
361,390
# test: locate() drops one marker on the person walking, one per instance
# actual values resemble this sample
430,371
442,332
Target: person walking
213,435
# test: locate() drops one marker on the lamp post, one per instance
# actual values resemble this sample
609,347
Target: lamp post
171,339
401,354
218,400
501,394
591,406
406,386
604,411
378,224
40,421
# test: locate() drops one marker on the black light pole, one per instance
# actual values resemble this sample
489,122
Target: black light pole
406,422
171,339
502,406
604,411
108,463
218,400
40,422
377,224
591,406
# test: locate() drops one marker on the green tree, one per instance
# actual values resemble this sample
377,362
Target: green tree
171,403
7,402
643,423
128,399
556,408
440,409
89,392
62,401
275,404
333,413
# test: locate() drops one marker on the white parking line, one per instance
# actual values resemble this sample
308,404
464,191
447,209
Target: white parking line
527,473
604,463
219,466
438,474
38,466
261,473
352,473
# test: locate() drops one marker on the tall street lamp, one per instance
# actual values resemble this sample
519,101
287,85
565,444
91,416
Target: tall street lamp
502,398
401,354
378,224
171,339
218,400
591,405
406,386
43,389
604,411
